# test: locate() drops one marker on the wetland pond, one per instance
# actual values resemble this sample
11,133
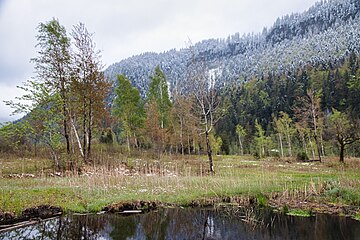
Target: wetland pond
191,223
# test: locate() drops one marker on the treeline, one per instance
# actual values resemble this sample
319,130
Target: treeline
67,107
163,123
64,102
295,112
308,112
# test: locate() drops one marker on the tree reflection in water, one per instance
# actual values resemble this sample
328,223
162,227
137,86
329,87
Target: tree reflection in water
177,223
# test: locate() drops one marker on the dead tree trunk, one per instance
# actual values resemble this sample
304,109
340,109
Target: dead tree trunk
209,152
342,152
241,146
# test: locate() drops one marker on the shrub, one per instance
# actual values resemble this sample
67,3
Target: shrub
302,156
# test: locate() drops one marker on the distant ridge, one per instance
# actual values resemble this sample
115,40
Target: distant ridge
325,34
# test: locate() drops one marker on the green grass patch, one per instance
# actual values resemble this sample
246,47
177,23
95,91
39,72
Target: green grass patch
262,201
299,213
235,176
344,194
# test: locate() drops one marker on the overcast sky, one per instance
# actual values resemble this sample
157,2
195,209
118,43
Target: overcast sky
126,28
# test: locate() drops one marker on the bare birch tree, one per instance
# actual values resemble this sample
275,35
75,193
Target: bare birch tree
241,132
284,126
89,87
309,114
207,100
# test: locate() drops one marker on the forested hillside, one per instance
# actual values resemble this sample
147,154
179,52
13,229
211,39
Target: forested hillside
325,34
301,70
296,94
291,91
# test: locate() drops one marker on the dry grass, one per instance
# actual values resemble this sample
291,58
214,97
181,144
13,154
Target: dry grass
173,179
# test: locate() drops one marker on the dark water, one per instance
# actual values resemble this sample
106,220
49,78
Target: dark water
224,223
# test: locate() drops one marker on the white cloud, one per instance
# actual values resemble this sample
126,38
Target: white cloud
8,92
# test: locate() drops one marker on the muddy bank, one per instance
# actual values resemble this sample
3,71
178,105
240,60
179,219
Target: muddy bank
142,206
281,203
234,200
275,201
314,206
37,213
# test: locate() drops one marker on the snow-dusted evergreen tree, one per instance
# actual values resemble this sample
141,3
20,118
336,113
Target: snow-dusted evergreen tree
326,33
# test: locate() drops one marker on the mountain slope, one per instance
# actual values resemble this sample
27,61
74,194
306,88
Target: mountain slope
327,33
